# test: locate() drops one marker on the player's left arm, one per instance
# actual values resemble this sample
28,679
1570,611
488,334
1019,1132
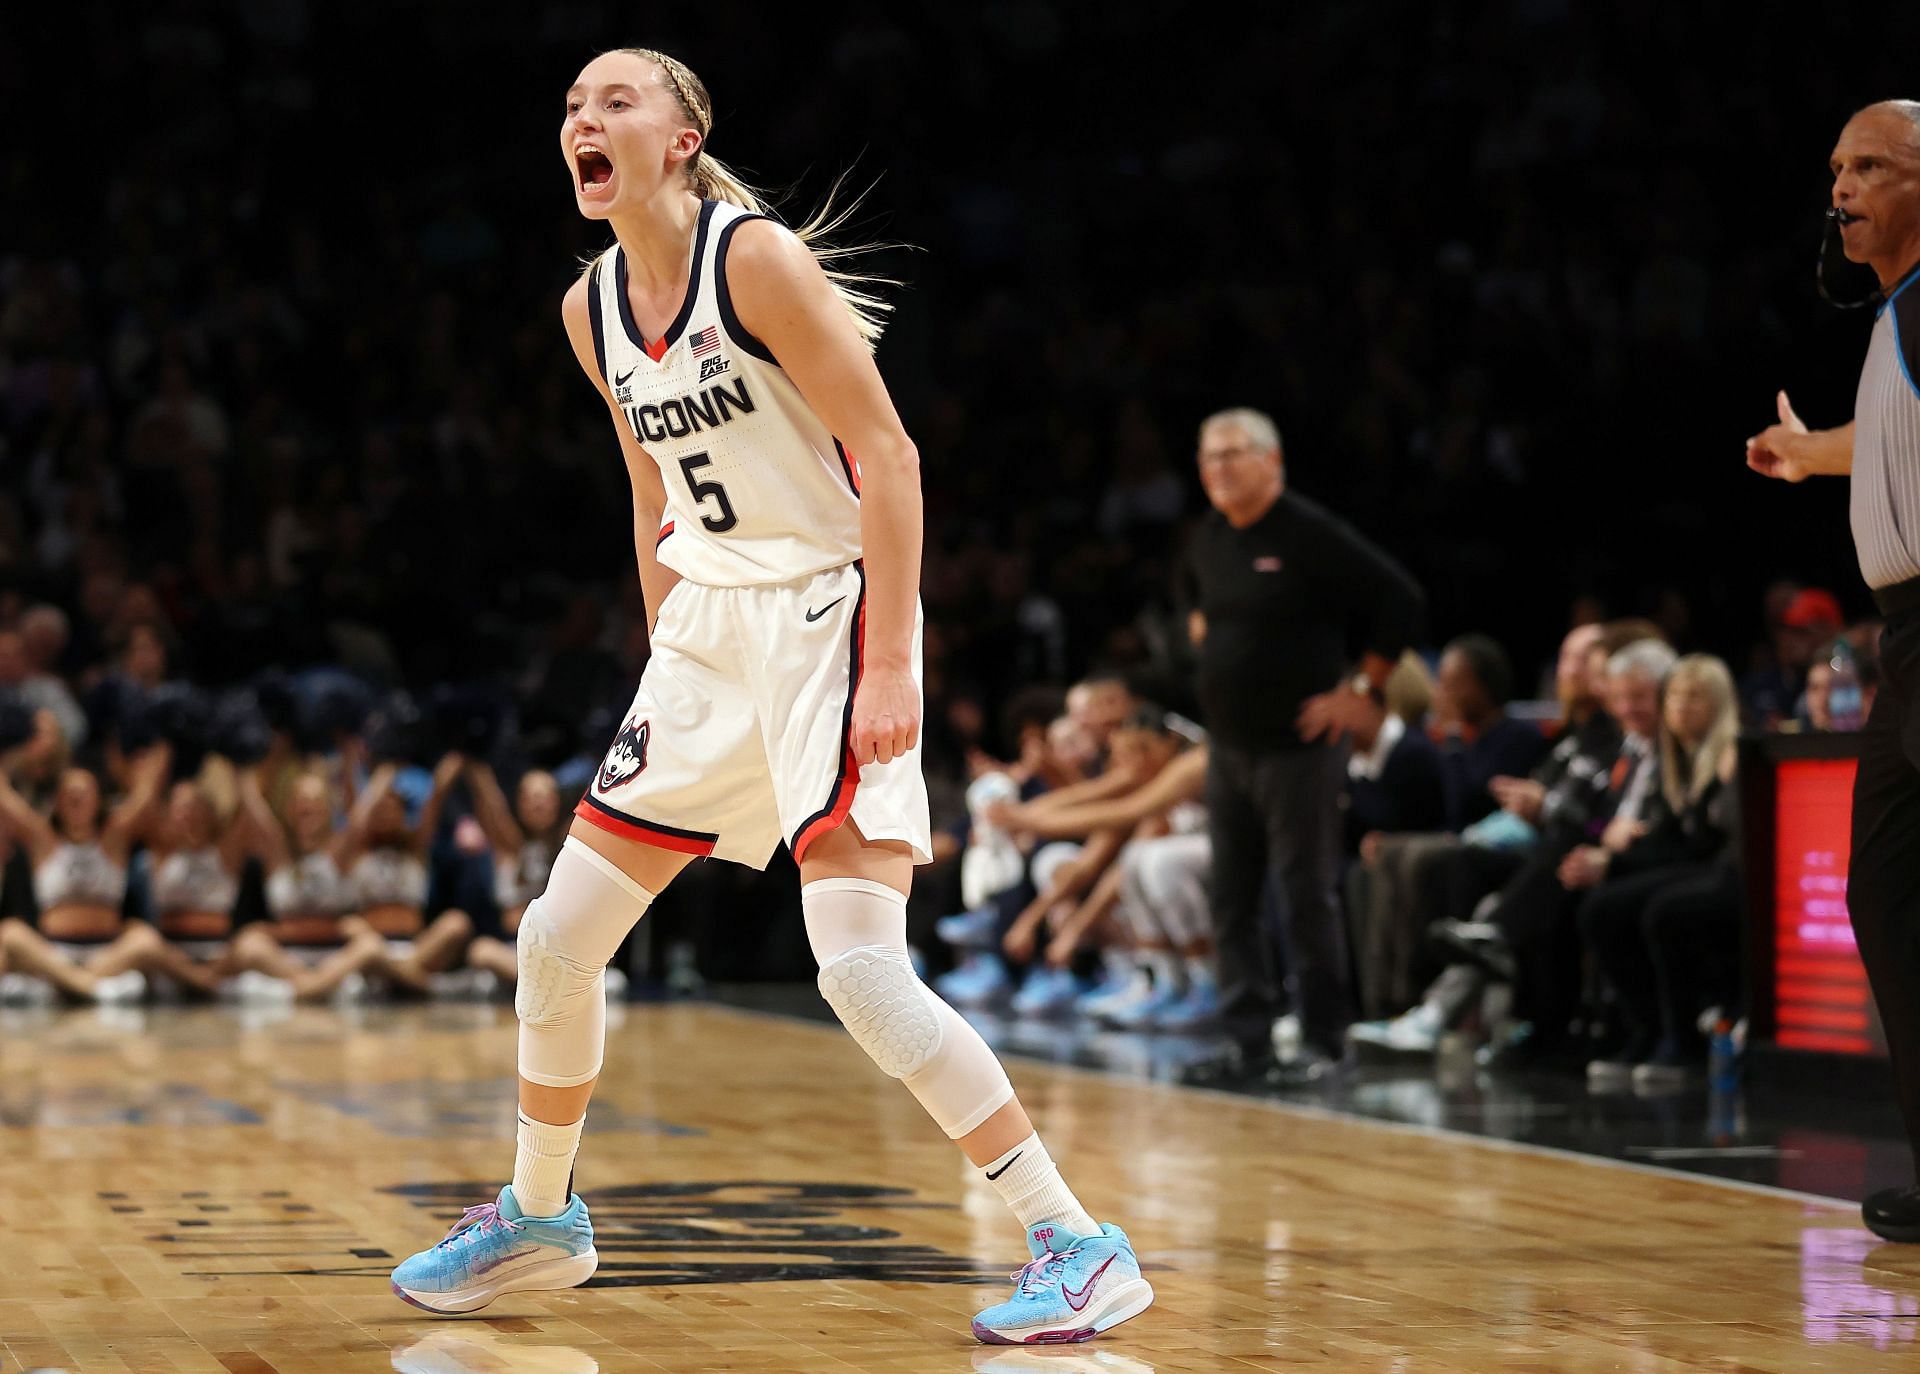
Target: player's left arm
785,300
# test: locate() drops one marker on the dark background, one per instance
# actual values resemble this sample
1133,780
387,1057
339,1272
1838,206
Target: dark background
1517,280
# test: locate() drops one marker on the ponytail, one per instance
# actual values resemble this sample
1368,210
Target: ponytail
713,180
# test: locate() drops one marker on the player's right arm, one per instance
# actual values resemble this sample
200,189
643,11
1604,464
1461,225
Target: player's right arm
649,494
1793,453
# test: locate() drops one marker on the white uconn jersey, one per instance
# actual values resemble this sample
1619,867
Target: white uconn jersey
758,491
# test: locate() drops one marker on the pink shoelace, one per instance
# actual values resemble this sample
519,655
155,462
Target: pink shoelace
482,1219
1034,1274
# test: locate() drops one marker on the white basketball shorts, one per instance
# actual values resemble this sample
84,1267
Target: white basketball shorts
738,736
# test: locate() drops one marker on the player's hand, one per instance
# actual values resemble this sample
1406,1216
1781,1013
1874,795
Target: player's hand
1060,951
886,715
1018,942
1782,450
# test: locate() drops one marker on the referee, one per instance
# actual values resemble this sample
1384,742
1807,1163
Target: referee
1285,597
1876,189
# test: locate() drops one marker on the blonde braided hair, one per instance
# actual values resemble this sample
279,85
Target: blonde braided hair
713,180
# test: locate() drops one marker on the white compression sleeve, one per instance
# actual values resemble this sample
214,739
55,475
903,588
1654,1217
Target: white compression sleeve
567,935
858,930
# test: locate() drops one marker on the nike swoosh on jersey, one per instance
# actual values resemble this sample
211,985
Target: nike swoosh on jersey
621,380
815,615
1087,1288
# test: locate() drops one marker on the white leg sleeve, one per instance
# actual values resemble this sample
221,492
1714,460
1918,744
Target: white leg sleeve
1049,859
858,930
567,935
1173,879
1135,909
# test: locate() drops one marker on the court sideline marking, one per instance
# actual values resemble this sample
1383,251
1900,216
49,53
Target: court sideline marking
1311,1112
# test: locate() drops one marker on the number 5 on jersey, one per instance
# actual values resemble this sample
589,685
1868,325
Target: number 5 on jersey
726,519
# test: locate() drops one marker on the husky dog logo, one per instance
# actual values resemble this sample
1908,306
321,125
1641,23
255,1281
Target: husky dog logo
627,756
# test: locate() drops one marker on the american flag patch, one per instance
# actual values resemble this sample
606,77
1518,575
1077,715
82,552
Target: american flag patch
706,341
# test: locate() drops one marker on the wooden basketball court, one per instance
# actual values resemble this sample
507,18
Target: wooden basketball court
189,1191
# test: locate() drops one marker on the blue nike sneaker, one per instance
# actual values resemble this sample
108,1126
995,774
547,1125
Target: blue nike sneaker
975,929
981,980
1142,1013
1074,1288
494,1249
1119,988
1047,992
1200,1007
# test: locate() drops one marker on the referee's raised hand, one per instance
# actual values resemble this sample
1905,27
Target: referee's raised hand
1782,450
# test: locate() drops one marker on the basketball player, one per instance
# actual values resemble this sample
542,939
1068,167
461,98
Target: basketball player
782,700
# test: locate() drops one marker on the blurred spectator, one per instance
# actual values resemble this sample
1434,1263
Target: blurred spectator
1687,825
314,942
43,637
1479,740
524,840
1519,935
1770,693
81,941
1394,774
1405,882
1097,881
1815,710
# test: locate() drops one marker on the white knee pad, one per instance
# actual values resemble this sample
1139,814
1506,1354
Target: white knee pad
1049,859
858,932
885,1007
1134,910
567,935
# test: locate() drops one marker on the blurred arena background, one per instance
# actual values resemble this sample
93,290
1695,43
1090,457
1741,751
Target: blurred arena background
297,466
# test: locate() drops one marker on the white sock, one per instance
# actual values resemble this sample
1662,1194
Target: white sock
1030,1183
543,1165
1165,968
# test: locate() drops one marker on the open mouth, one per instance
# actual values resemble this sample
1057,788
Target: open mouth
592,169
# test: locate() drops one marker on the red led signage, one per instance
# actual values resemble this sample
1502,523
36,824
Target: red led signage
1821,998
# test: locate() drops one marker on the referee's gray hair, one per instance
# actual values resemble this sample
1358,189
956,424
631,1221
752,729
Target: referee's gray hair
1644,658
1908,110
1257,425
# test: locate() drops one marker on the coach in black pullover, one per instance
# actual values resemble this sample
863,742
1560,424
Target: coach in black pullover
1286,599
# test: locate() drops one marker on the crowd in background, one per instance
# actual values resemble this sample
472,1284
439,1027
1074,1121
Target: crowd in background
345,428
1554,879
1554,876
307,452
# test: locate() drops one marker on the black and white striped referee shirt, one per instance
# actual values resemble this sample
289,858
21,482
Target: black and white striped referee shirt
1886,443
